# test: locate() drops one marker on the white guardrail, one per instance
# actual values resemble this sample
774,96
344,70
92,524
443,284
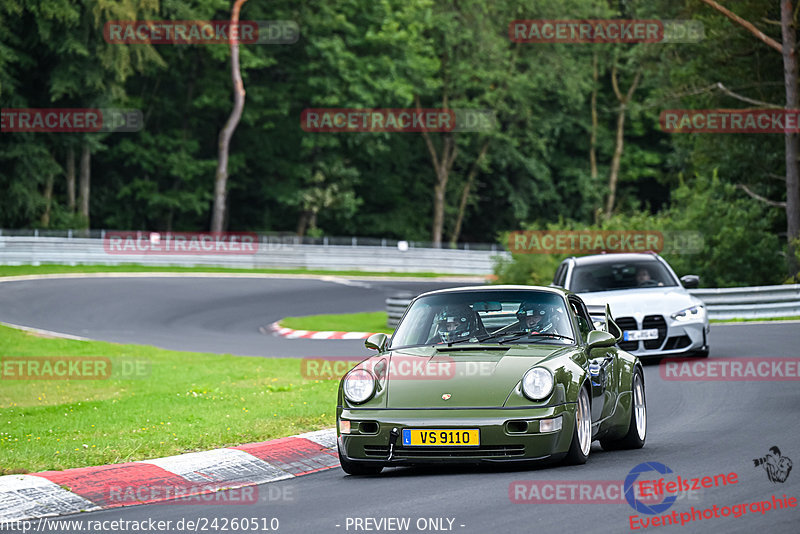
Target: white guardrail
343,254
351,254
721,303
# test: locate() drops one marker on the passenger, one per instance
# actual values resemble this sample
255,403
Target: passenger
535,318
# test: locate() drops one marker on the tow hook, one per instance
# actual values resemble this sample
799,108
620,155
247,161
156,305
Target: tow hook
393,435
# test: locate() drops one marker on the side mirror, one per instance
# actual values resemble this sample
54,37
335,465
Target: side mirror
377,342
690,281
598,339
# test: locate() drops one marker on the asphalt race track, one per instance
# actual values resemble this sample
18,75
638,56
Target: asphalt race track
697,429
220,315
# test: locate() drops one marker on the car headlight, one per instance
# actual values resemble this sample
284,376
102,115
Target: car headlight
537,383
359,386
688,314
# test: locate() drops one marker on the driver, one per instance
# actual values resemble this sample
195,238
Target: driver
643,278
454,322
536,318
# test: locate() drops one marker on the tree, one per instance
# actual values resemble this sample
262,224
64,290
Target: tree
221,180
792,149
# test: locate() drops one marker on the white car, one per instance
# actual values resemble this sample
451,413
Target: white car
651,306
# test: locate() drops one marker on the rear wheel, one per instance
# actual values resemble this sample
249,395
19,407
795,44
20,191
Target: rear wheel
354,467
582,435
637,430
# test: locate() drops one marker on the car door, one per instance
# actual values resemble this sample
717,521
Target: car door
603,366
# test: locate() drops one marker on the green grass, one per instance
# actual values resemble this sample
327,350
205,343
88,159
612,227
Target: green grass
185,402
18,270
347,322
791,318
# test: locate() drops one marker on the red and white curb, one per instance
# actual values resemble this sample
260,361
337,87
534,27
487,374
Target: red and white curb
177,478
278,330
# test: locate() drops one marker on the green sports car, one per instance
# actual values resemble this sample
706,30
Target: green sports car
499,374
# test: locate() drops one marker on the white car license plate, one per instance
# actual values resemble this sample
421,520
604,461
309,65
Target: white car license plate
640,335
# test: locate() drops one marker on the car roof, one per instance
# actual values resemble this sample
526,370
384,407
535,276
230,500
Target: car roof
596,259
554,290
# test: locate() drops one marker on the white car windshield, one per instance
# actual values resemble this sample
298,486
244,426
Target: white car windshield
623,275
486,316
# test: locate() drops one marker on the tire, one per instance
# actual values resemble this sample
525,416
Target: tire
582,433
637,427
354,467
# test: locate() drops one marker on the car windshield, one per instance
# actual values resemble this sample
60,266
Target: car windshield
623,275
485,316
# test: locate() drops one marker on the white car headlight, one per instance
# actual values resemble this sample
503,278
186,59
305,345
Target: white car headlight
688,314
359,386
537,383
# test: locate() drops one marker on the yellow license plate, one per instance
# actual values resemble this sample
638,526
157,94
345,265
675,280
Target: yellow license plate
417,437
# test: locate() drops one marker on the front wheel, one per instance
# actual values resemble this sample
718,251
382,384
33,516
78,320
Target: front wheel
582,435
637,430
354,467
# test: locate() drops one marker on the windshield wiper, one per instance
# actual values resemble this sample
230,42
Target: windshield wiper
518,335
466,339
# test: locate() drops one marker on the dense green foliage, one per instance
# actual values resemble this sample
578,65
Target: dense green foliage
731,255
387,53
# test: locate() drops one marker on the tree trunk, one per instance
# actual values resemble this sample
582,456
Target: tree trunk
442,165
71,179
791,139
593,135
462,206
85,182
302,222
438,207
221,179
48,198
624,100
613,175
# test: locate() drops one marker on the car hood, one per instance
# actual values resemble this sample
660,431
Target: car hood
641,302
419,377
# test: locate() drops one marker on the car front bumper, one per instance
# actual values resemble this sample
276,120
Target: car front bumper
676,338
506,434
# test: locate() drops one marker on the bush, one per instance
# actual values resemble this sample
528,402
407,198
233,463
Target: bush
739,247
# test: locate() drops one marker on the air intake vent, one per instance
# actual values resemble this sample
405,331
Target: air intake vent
627,323
677,342
498,451
655,321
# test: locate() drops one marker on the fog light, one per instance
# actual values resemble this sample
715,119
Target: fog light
344,426
550,425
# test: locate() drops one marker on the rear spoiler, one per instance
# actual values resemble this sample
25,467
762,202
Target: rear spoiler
603,313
